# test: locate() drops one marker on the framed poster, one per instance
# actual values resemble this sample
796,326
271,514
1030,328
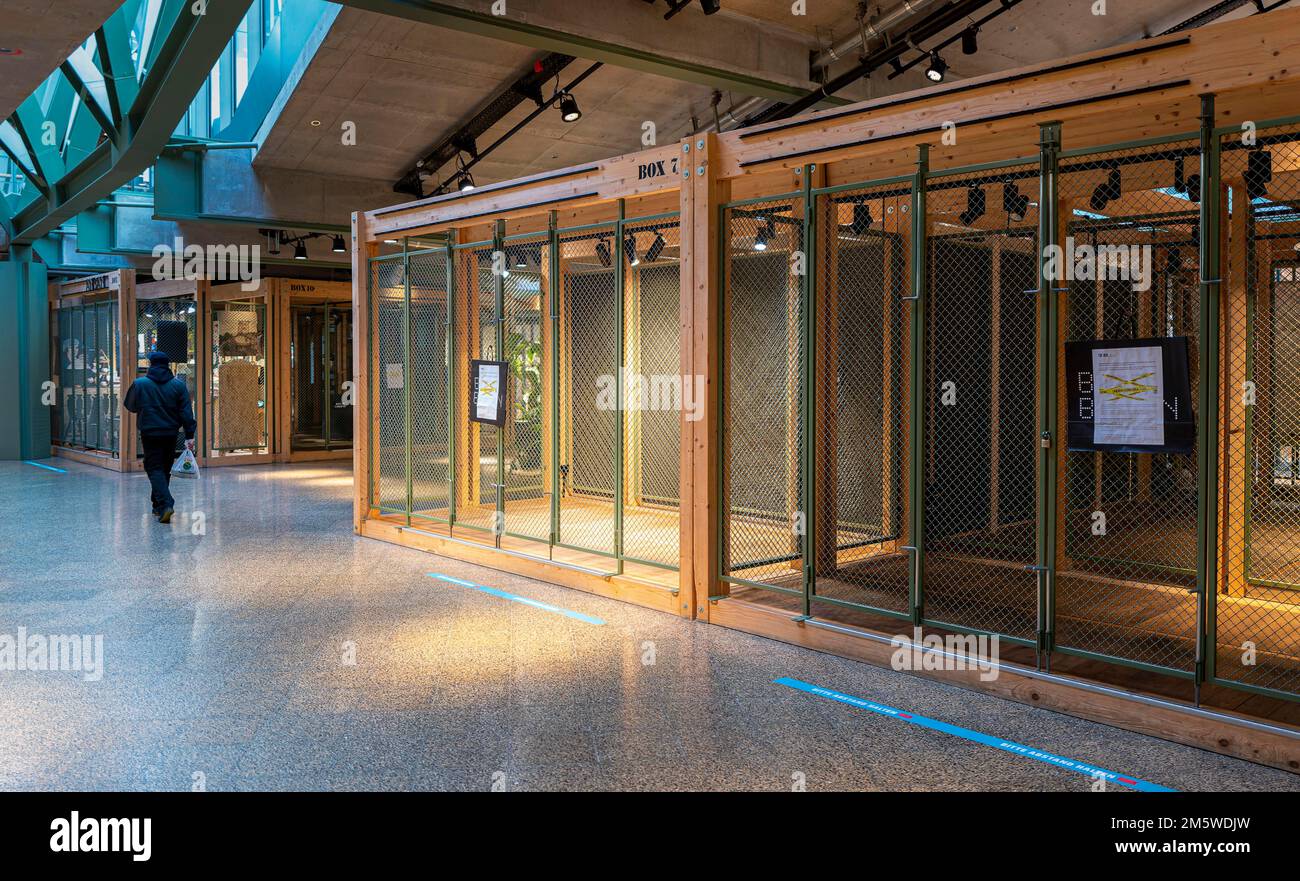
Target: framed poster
1129,396
487,392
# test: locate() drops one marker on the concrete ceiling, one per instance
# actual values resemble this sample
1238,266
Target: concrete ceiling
39,36
408,85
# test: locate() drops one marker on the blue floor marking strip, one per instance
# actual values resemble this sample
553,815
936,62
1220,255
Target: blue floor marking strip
46,467
1012,747
536,604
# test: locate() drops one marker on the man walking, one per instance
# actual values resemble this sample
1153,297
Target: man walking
161,400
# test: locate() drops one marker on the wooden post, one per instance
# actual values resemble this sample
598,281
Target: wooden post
365,408
1234,470
701,356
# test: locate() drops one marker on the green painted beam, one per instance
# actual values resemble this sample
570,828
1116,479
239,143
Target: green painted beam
514,29
180,60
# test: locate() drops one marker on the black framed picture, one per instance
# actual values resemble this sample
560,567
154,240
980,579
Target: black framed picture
487,392
1129,396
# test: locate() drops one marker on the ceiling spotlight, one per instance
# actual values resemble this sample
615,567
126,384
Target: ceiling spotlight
1259,172
976,203
569,111
935,70
466,182
1014,203
711,6
300,250
969,41
765,234
629,246
656,247
272,243
1107,191
602,252
339,247
521,260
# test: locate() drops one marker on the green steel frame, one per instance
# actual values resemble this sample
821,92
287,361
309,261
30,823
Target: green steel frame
1048,311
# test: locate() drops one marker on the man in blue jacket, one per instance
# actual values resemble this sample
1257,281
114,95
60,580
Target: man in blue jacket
161,402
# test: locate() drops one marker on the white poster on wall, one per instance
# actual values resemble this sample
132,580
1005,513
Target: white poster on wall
1130,395
488,391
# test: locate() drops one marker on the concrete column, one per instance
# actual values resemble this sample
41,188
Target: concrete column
24,357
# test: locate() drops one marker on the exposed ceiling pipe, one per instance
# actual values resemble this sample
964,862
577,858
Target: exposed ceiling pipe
875,30
933,24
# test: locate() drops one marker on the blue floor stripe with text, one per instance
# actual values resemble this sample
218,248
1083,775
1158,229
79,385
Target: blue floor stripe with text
1012,747
536,604
46,467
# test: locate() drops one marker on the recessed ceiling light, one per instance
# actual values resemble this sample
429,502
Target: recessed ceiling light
315,123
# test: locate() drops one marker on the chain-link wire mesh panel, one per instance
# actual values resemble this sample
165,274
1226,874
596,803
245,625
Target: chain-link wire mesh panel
1127,547
763,423
89,378
1257,612
656,391
239,376
149,315
67,354
981,388
308,382
588,353
862,391
339,414
526,456
388,291
429,375
476,287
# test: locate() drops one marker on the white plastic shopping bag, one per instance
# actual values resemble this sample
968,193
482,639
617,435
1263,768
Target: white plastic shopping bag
185,465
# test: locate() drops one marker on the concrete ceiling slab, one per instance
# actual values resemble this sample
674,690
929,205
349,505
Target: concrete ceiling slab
39,36
407,85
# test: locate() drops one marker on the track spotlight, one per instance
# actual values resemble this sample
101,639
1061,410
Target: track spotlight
339,247
466,182
1014,202
1107,191
521,260
976,202
569,111
1259,172
935,70
711,6
300,250
969,41
765,234
603,254
862,218
656,247
629,248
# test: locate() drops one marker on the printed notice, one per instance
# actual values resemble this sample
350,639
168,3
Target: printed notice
1130,394
489,391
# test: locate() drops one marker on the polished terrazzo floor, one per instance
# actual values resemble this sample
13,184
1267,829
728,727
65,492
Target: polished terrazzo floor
224,666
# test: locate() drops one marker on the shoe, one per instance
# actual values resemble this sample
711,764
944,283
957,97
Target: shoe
165,516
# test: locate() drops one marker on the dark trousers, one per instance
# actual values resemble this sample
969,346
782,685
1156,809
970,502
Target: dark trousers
159,454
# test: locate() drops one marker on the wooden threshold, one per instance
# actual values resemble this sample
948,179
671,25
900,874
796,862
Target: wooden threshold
1275,745
625,588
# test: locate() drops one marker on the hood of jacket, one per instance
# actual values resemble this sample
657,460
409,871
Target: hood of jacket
160,373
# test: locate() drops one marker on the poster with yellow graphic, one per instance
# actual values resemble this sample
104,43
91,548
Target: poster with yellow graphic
1130,397
487,392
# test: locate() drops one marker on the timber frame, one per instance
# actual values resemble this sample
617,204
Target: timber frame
1244,71
124,288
